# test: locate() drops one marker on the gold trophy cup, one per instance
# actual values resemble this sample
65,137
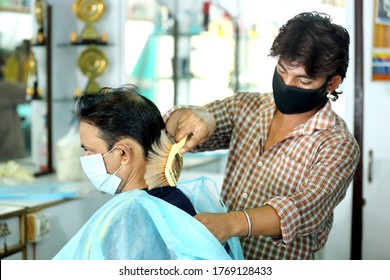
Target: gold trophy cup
92,62
88,11
39,15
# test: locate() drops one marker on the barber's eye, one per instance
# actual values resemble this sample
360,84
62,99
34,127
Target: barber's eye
306,82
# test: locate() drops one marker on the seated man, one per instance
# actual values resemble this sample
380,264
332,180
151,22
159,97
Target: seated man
118,128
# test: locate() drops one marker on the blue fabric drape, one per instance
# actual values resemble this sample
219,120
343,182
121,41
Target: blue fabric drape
137,226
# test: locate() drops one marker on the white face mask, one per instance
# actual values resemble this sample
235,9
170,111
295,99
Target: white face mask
95,170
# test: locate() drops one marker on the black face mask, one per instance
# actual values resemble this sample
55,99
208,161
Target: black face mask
293,100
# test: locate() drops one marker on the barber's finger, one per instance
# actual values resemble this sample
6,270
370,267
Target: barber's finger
176,122
183,132
192,142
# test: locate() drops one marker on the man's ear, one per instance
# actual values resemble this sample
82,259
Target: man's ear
126,153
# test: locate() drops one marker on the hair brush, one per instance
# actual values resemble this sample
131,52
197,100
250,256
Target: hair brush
164,162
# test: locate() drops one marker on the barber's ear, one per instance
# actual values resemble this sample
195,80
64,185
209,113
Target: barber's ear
334,83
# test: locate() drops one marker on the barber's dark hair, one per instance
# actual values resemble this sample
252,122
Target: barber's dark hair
121,113
311,40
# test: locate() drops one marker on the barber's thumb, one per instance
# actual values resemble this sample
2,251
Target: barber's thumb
186,148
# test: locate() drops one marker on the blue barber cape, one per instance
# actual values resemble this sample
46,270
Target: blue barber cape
137,226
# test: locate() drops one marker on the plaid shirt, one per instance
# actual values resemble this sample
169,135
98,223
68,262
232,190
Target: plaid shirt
303,177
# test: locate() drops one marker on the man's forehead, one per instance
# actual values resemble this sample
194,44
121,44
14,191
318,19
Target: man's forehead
292,66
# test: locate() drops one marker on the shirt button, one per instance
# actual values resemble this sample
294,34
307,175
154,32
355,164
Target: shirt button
260,163
244,195
281,154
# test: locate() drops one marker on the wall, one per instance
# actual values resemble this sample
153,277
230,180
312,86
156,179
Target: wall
376,222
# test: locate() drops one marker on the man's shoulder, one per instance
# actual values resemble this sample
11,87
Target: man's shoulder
339,134
254,98
254,95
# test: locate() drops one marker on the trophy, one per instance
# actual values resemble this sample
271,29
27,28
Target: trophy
92,63
39,15
88,11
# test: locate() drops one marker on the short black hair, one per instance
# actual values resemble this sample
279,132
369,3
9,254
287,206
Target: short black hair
121,113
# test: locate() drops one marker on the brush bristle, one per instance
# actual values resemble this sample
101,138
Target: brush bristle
156,162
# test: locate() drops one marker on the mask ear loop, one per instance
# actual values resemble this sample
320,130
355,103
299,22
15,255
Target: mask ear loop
119,168
109,151
107,154
114,148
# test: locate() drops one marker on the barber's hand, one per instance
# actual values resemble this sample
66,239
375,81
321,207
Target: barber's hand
198,124
217,224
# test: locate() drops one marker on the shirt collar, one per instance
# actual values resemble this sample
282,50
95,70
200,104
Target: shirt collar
324,119
267,111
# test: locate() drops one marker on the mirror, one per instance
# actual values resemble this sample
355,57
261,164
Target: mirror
24,111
